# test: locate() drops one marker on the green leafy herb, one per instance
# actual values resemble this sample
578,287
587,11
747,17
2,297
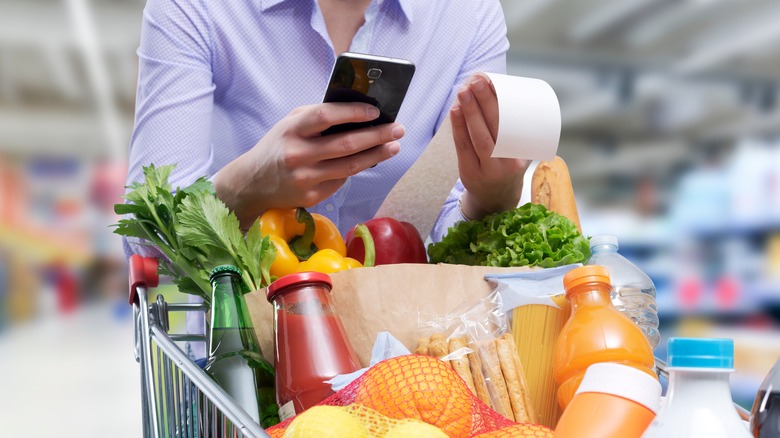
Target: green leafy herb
194,230
529,235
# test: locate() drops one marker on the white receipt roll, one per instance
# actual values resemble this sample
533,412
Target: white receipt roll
529,128
529,118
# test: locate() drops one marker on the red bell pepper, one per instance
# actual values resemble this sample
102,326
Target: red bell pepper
394,241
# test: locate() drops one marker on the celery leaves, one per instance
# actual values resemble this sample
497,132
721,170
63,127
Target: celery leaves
194,230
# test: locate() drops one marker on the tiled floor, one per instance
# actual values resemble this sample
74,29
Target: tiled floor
70,376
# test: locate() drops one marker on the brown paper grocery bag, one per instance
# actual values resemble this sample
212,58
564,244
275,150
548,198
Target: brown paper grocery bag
387,298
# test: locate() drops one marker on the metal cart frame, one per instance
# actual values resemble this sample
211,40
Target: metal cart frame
178,399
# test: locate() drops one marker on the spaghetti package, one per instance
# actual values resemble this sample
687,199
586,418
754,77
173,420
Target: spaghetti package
538,311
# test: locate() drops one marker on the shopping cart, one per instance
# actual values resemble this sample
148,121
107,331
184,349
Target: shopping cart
178,399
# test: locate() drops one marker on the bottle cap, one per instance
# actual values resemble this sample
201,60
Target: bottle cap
701,353
585,274
296,279
622,381
222,269
603,239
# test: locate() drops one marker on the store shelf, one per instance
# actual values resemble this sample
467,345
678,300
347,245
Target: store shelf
751,228
45,247
754,298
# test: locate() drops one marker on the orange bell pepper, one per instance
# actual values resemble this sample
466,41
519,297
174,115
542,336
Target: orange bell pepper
307,242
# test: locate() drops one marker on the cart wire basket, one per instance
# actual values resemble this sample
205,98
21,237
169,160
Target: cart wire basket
178,398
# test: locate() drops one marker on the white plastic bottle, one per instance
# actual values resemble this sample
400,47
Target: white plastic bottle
698,402
633,292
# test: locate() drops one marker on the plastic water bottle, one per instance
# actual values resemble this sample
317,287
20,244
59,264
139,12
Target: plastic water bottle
633,292
765,417
698,402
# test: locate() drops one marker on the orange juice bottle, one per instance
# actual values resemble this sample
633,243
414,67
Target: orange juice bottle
613,401
595,332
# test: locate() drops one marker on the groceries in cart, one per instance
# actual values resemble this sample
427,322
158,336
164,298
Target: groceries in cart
194,232
612,401
595,332
765,417
235,360
698,402
512,335
310,346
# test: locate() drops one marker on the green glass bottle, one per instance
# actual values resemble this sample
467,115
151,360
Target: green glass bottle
235,361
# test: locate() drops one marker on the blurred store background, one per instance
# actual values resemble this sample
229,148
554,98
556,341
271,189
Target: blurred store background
671,129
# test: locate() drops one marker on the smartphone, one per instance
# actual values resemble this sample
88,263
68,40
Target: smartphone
376,80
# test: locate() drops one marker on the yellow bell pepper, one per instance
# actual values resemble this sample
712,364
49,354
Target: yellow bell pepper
308,242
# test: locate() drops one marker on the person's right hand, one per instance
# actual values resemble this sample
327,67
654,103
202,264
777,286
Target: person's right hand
294,166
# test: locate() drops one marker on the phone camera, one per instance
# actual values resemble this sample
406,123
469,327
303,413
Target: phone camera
374,73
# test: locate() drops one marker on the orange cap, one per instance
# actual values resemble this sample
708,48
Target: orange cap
585,274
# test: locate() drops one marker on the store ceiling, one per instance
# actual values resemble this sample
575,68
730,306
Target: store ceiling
642,83
684,37
632,75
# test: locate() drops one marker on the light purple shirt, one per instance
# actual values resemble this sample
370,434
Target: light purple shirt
215,76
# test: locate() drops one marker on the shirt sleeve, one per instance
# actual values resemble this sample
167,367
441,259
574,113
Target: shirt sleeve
174,98
486,54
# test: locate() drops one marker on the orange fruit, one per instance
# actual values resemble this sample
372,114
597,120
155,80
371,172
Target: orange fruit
519,430
275,432
419,387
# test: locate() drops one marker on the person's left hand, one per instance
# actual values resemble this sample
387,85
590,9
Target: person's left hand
492,184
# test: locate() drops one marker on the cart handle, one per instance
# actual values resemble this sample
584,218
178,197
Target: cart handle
143,273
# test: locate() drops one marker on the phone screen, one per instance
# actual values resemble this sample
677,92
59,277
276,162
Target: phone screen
375,80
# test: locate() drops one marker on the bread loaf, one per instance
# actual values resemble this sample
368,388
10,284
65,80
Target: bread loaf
551,187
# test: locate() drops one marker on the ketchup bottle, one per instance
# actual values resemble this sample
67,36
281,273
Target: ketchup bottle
310,343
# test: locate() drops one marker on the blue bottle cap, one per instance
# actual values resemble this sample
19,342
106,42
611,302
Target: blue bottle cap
701,353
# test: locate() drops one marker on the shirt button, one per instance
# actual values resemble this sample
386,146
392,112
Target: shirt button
329,208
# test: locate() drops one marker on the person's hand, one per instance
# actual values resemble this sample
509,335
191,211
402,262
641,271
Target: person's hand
294,166
492,184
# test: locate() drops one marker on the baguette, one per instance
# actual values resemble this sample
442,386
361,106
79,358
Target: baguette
512,369
502,404
422,346
551,187
461,364
479,377
438,347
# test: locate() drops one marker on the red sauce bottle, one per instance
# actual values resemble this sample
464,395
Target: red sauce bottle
310,343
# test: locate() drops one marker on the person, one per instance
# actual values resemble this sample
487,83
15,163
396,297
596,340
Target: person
230,90
233,90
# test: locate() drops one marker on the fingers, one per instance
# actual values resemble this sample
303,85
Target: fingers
350,143
353,164
467,157
321,191
315,182
486,96
482,123
312,120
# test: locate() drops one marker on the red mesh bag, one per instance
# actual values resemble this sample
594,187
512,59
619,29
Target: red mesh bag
420,388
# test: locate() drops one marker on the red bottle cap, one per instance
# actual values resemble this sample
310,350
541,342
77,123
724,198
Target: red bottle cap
296,279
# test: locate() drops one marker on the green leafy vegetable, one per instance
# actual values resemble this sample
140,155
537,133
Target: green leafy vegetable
194,230
529,235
